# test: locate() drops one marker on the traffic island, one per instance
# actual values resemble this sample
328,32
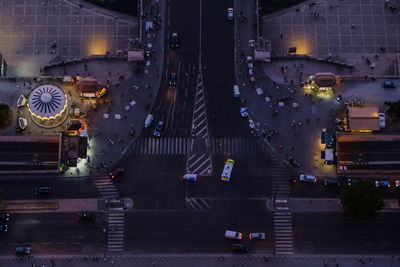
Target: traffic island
22,206
54,205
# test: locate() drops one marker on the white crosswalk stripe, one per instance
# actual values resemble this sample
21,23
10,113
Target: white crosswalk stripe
218,146
283,233
199,204
116,228
116,220
106,187
282,217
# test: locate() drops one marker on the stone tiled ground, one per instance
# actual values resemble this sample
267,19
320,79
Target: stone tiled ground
29,29
375,26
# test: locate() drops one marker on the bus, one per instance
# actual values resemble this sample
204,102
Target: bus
226,173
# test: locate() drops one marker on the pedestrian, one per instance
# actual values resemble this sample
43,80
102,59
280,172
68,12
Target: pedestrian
281,36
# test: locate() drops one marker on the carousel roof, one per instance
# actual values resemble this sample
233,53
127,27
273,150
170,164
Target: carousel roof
47,100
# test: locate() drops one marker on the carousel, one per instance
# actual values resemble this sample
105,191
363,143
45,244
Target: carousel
47,104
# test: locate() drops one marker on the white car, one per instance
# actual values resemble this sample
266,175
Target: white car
251,124
382,120
308,178
230,13
243,112
233,235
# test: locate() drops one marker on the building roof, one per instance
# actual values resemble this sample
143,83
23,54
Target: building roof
47,101
89,85
325,79
30,153
368,153
364,119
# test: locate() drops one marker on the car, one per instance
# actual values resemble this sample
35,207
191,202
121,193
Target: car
4,217
3,228
174,40
233,235
22,250
294,162
382,183
292,180
239,248
85,216
158,129
397,183
172,79
190,177
352,181
257,236
308,178
243,112
43,191
382,120
230,13
331,181
390,84
115,173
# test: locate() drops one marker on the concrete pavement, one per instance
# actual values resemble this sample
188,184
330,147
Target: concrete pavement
130,98
212,260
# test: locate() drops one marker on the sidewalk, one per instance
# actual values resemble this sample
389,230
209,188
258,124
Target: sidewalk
114,121
66,205
201,260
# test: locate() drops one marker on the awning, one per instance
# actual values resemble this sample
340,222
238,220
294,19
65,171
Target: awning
21,101
22,122
135,55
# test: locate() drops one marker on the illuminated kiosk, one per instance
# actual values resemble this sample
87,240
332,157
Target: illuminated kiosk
47,104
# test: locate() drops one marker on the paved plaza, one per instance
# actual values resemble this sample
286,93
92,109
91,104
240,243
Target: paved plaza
35,32
347,31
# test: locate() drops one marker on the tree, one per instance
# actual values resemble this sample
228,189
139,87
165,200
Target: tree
5,116
394,109
361,200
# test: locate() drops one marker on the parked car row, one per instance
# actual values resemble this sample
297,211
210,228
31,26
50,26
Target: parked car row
337,181
238,236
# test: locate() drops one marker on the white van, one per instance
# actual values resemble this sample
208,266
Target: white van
308,178
236,92
233,235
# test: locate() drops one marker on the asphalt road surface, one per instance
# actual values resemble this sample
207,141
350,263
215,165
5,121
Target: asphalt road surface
332,233
56,233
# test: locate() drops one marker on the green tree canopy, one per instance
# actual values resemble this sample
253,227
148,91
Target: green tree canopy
394,109
5,115
361,200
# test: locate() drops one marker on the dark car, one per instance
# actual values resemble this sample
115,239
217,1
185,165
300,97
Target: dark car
172,79
390,84
3,228
331,181
239,248
4,217
294,162
174,40
85,216
115,173
22,250
158,129
43,191
352,181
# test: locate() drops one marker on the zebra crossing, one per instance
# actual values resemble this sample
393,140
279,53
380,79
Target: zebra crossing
199,204
116,220
282,217
182,146
198,158
283,233
279,179
106,187
116,227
